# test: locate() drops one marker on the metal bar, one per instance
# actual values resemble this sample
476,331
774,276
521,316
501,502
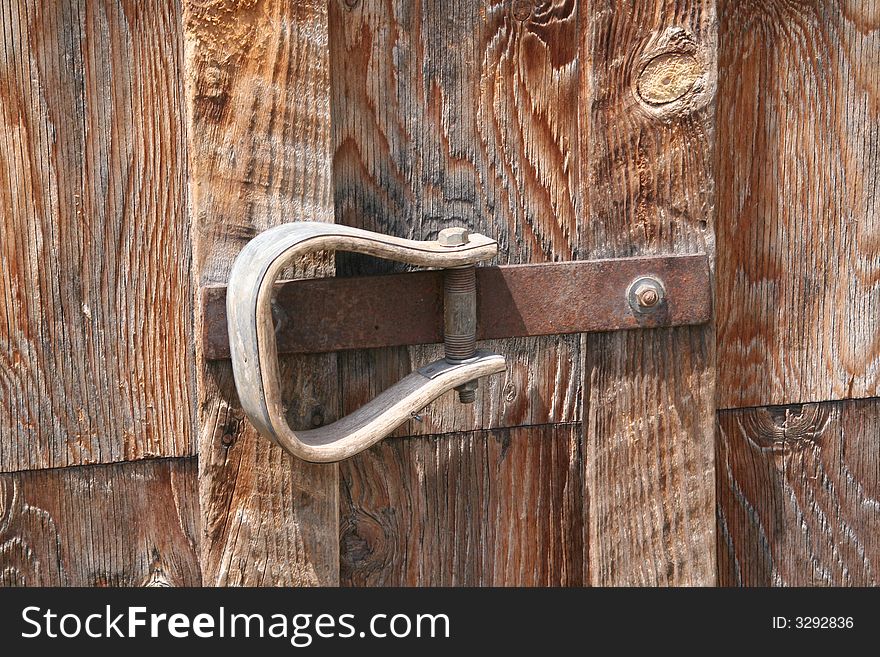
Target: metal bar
512,301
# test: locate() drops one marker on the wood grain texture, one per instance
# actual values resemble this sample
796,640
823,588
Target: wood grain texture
647,187
533,130
799,495
259,121
798,183
488,508
482,134
95,308
126,524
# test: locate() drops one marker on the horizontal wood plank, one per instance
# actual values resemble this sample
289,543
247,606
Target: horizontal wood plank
799,495
126,524
486,508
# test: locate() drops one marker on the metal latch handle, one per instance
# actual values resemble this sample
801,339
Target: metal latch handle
254,348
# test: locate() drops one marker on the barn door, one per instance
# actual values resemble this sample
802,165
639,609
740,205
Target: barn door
147,142
567,131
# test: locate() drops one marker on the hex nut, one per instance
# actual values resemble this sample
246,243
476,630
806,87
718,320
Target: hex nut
646,294
456,236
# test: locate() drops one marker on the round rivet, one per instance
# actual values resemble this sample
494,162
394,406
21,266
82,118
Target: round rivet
522,9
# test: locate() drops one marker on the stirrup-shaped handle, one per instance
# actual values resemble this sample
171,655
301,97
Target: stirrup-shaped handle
254,347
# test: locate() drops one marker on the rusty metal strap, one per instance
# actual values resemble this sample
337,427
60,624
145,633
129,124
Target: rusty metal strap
512,301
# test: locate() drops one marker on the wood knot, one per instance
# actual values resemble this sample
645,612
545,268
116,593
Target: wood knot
522,9
782,430
804,424
157,577
212,92
156,580
668,77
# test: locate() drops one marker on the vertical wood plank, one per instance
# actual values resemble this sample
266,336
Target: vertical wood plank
799,177
95,308
510,499
259,122
456,113
647,137
126,524
481,134
799,495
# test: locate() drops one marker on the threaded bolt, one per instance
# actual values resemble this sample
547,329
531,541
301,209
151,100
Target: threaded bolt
460,313
647,296
467,392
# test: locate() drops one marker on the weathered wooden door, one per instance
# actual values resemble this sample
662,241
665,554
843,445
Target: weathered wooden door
567,131
144,143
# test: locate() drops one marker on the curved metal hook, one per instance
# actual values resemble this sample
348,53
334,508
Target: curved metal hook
255,350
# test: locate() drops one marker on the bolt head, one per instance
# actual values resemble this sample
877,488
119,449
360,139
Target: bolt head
646,294
455,236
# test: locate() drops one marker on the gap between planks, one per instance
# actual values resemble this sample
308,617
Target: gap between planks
458,434
798,403
86,466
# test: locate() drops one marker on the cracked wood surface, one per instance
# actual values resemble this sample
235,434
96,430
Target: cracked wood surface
95,309
125,524
259,120
799,495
